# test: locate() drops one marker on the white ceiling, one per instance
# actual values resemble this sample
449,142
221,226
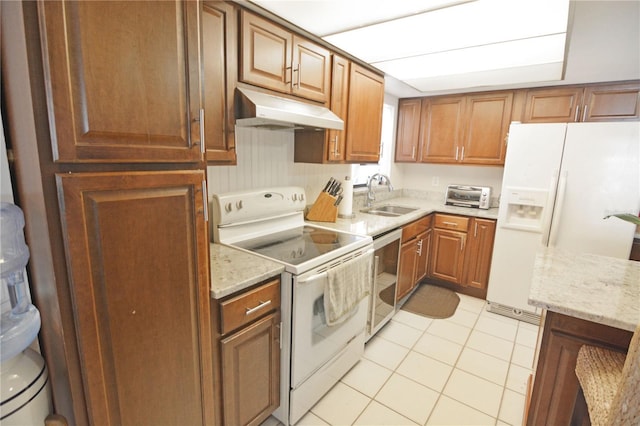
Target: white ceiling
445,46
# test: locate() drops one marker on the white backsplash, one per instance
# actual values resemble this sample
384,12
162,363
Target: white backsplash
265,159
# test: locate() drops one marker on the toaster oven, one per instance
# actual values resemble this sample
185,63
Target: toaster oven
478,197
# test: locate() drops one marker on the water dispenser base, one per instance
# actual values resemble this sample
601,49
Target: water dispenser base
26,393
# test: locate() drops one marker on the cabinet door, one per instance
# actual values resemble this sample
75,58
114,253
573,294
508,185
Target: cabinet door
559,105
220,71
265,54
251,372
422,262
407,268
136,246
408,132
479,251
556,387
339,106
311,70
487,122
123,80
618,102
447,257
442,129
366,97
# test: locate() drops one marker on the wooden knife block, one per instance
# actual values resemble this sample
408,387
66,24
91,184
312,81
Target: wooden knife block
323,210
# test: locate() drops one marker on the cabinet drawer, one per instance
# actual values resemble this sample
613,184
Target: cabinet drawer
248,306
446,221
414,228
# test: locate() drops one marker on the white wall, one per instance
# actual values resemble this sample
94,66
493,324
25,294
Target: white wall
436,177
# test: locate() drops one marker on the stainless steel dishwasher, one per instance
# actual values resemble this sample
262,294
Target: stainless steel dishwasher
382,302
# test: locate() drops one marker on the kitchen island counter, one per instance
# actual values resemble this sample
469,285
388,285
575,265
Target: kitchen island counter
600,289
588,300
234,270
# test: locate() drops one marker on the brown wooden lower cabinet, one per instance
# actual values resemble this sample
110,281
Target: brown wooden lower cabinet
414,255
555,397
251,372
250,354
136,247
478,257
407,268
448,255
461,253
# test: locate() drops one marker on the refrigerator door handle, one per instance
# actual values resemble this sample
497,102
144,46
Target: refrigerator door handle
557,211
548,209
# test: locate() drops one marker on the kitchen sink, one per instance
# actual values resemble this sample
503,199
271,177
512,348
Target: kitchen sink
389,210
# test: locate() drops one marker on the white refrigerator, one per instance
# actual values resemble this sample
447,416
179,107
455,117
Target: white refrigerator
560,181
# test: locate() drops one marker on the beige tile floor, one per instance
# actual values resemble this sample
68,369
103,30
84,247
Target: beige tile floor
469,369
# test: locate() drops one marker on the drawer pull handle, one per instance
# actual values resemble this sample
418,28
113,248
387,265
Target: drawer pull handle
450,223
262,304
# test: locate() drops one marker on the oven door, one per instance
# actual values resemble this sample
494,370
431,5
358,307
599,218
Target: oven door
314,342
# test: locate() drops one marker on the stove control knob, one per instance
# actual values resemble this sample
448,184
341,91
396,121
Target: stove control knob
295,197
301,197
239,204
228,207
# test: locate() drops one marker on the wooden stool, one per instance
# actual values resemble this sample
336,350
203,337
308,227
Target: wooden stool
610,382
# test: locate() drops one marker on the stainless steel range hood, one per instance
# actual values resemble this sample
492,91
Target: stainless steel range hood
263,110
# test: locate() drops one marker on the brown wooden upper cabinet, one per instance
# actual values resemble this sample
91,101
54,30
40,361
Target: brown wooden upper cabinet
328,146
123,80
598,102
357,96
469,129
364,126
408,131
441,129
274,58
336,139
220,68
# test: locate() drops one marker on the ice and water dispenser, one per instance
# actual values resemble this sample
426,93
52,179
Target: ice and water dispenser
526,209
26,395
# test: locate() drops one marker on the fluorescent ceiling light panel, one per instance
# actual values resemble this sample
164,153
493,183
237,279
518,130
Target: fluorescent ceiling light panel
325,17
510,54
466,25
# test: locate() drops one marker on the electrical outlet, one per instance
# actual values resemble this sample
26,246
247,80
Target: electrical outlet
435,181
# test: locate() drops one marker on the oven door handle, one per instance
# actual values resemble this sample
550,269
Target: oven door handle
312,278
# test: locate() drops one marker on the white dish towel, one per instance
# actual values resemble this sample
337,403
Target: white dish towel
347,284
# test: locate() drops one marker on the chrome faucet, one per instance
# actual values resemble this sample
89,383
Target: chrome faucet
371,196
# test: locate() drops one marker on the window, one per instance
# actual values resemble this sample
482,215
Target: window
360,173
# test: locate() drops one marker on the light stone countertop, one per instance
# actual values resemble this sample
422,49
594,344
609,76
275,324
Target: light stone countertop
234,270
373,225
600,289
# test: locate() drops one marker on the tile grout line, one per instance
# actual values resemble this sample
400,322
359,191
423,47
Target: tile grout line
454,366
